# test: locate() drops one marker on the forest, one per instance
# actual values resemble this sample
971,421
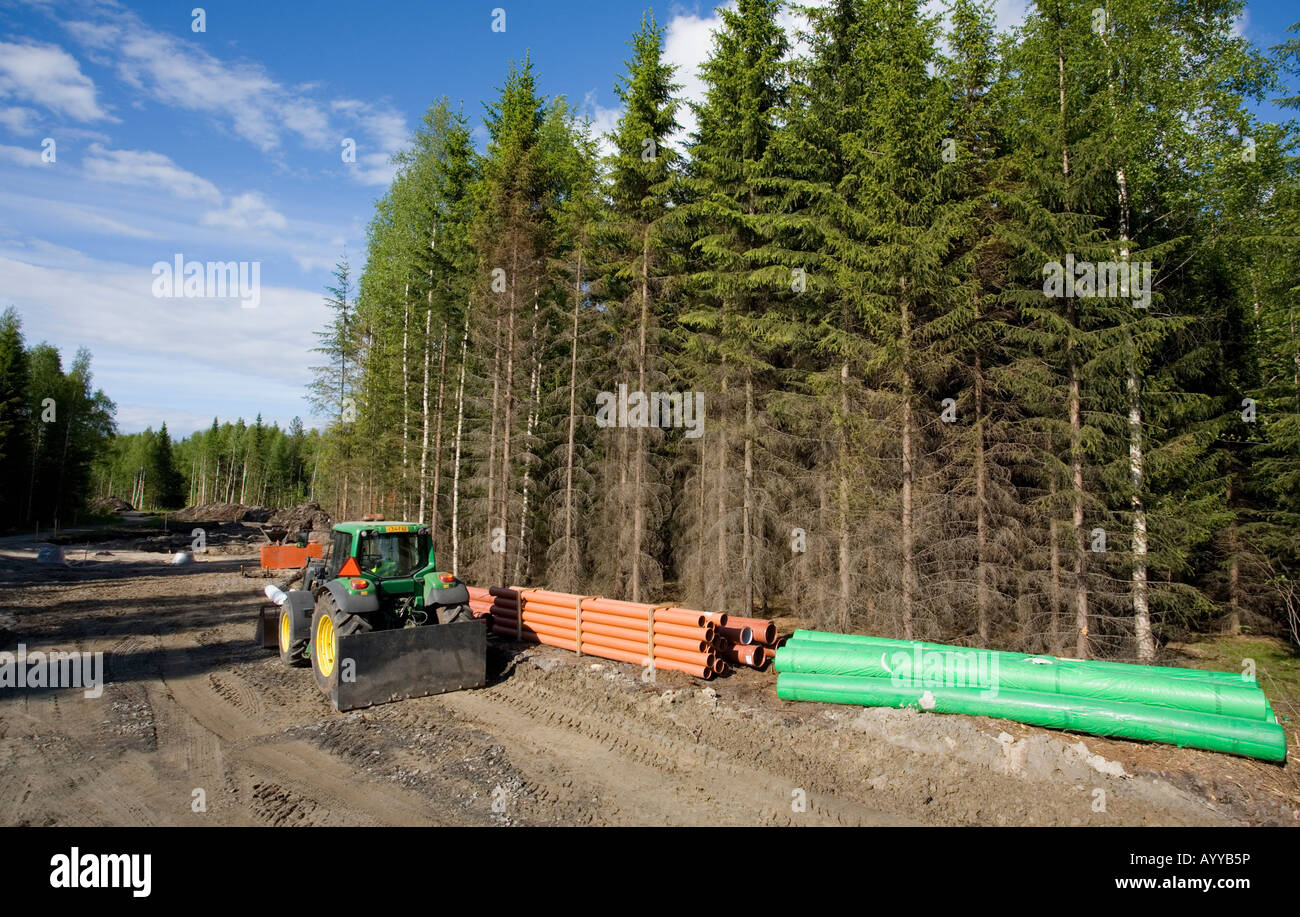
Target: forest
253,464
989,336
927,329
52,428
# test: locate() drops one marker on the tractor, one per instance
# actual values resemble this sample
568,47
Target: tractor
376,620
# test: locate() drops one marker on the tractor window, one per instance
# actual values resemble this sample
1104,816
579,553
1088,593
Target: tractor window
340,548
392,554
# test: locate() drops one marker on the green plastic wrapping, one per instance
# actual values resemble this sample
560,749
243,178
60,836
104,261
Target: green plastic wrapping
907,666
1209,731
1122,667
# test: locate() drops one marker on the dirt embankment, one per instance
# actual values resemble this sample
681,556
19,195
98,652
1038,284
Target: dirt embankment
198,726
214,528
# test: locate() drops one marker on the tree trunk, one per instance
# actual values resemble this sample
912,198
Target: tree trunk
910,588
1076,411
495,419
508,398
406,398
845,598
1055,645
981,513
455,466
570,565
638,507
437,436
747,541
424,415
720,588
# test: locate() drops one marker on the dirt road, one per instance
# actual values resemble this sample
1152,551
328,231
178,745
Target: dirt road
197,726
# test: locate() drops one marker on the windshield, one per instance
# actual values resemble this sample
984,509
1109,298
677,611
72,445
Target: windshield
392,554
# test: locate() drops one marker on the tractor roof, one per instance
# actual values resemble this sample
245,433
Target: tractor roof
382,526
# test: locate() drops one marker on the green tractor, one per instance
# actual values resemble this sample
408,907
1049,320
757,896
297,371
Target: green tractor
376,620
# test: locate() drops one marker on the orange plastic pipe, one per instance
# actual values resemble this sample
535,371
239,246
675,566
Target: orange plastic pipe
616,643
642,612
698,645
719,618
545,595
753,656
734,633
764,629
687,616
699,671
640,624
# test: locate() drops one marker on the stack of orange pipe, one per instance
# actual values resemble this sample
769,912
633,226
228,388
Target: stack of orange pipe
480,601
747,641
669,638
699,643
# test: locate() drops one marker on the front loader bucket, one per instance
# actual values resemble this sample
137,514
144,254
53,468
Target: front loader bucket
268,627
388,665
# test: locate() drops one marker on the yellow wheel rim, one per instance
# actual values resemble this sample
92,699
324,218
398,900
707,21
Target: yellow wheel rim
286,631
325,645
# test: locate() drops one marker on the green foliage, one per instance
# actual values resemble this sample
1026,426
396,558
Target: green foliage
847,259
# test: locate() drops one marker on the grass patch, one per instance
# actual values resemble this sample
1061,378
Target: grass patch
1277,666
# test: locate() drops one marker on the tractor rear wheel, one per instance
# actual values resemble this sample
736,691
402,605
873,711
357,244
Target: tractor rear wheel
291,651
328,624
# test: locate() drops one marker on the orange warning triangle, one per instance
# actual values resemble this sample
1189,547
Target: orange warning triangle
350,568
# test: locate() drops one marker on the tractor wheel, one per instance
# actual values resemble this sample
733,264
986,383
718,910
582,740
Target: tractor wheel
450,614
328,624
291,651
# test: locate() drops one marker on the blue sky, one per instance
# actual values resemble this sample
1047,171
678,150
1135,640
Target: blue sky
225,145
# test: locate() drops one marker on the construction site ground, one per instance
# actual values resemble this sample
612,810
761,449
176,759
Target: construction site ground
198,726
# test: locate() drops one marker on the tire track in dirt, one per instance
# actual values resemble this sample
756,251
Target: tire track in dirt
253,747
599,755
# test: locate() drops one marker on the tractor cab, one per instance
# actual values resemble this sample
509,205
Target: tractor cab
393,555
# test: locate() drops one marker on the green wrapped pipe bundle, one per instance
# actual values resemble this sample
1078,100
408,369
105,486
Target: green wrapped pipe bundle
804,636
1216,711
939,666
1209,731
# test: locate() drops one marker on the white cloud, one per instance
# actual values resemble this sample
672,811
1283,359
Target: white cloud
147,169
603,121
244,96
1009,14
88,218
199,349
382,132
181,74
1240,23
19,120
246,213
48,76
21,155
688,41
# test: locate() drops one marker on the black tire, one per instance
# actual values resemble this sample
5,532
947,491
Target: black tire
295,654
326,669
450,614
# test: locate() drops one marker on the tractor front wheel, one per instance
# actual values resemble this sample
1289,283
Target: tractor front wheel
450,614
292,652
328,624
